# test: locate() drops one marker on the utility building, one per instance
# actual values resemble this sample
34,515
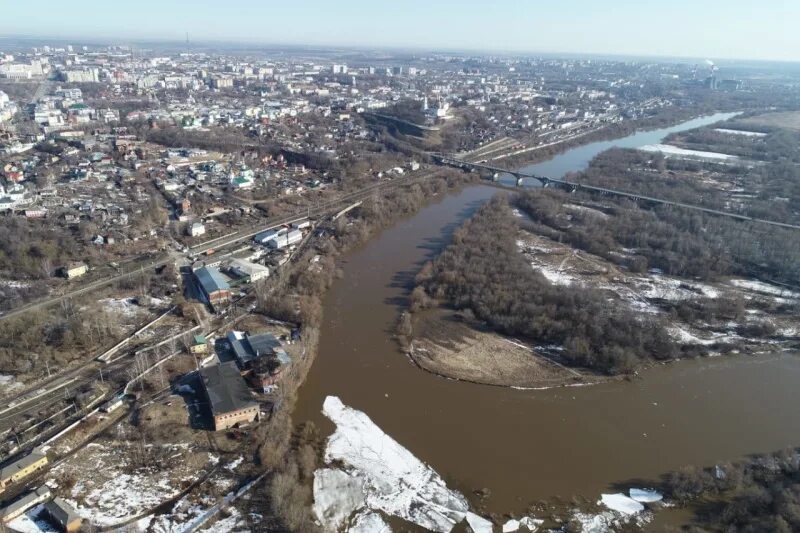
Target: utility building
228,396
22,468
213,286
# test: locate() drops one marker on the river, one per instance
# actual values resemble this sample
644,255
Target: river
526,446
578,158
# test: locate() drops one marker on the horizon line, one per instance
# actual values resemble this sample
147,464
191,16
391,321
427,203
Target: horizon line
110,41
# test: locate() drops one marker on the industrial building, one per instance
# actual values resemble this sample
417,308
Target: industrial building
246,348
262,357
213,286
63,515
265,236
228,396
22,468
247,271
284,240
21,505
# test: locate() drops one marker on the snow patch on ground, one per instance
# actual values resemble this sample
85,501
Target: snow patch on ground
666,288
667,149
395,481
122,306
763,288
120,491
587,210
122,497
14,284
528,247
33,521
8,383
741,132
233,465
684,337
554,276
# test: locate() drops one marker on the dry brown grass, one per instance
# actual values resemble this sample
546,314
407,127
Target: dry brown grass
789,120
449,345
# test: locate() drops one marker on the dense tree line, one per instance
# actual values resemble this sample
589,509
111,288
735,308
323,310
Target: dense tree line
677,241
408,110
482,271
760,494
680,181
34,248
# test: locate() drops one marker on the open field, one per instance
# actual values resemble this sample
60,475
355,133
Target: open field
789,120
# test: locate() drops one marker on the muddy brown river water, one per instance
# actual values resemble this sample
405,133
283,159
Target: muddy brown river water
529,445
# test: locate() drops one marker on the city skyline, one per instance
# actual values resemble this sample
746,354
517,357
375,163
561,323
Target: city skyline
718,30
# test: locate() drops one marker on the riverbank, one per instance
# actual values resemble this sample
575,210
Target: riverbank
454,345
538,154
288,448
567,443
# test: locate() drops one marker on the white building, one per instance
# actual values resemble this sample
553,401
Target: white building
89,75
284,240
197,229
245,269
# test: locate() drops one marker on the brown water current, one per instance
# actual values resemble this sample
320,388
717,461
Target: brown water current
529,445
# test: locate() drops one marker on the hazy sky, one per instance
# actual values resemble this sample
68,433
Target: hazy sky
765,29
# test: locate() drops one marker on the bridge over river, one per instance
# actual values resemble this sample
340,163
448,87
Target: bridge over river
572,186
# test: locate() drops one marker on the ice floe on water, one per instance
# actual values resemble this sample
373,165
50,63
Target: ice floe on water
370,475
527,523
645,495
621,504
596,523
370,522
337,494
394,481
622,510
478,523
